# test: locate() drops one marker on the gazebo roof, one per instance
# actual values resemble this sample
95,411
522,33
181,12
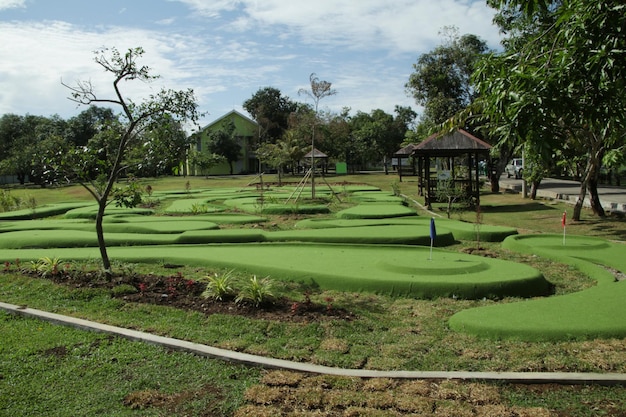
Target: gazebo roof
456,143
406,151
316,153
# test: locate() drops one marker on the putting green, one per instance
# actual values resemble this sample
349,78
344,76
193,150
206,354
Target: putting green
364,248
375,211
192,205
273,206
459,230
387,269
375,197
595,312
90,212
139,231
42,211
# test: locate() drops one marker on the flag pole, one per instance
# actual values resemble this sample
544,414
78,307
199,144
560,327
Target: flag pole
433,234
563,223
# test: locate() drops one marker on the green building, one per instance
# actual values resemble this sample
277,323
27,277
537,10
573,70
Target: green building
246,130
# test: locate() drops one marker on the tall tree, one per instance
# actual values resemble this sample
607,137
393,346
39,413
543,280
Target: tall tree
136,117
562,72
441,82
271,110
23,139
85,125
319,90
337,135
224,142
380,133
161,149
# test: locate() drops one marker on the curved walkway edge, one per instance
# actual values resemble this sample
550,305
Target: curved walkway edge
244,358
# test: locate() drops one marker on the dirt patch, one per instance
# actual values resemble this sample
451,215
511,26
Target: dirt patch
186,294
176,403
480,251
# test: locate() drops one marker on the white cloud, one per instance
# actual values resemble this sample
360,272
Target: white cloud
401,25
12,4
60,51
227,49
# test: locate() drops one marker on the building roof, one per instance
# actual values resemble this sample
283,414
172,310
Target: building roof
232,112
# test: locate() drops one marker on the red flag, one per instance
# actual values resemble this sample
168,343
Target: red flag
563,220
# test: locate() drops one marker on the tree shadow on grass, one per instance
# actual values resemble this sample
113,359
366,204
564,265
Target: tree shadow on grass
514,208
607,229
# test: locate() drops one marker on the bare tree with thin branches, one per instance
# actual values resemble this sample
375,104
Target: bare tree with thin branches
319,90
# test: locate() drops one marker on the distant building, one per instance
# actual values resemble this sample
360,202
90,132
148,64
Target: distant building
245,129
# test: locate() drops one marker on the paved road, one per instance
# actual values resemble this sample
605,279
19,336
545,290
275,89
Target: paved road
613,198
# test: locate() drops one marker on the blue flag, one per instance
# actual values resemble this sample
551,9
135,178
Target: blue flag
433,231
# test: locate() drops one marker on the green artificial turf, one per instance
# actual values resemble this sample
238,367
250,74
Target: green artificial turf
41,211
216,218
375,197
273,206
192,205
460,230
383,234
189,230
89,212
387,269
375,211
591,313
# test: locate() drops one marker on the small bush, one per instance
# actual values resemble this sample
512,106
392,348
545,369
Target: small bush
256,291
47,266
219,287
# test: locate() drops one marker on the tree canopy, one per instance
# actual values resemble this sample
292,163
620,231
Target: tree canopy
559,81
441,82
271,110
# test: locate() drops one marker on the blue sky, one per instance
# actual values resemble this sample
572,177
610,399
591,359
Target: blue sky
227,49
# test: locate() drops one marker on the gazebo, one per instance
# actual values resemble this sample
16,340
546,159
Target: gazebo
456,158
316,155
400,155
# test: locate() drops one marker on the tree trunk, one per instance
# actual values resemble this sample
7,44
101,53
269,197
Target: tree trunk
590,178
230,166
494,179
386,165
578,207
106,263
594,198
533,189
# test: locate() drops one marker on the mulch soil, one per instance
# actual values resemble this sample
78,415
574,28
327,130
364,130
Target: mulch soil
186,294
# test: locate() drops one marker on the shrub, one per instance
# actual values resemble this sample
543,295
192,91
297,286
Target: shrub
47,266
256,291
219,286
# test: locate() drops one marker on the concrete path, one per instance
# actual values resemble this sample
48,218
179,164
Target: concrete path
244,358
613,198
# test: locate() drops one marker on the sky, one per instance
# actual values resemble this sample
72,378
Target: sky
226,50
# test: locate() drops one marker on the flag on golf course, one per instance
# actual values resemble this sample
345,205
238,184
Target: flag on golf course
433,235
433,230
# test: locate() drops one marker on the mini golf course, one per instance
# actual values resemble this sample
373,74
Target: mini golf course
597,312
378,245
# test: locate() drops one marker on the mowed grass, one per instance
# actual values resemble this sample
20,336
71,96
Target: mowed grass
388,333
50,370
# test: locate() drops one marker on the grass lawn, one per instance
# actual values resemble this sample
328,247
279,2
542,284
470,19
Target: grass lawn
388,332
